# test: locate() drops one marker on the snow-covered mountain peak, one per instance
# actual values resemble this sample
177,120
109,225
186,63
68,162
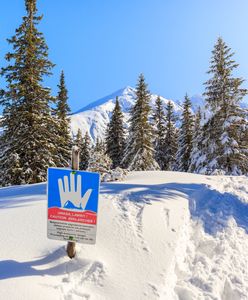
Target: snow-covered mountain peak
128,90
95,117
125,95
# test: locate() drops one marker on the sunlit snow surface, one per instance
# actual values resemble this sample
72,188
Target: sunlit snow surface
161,235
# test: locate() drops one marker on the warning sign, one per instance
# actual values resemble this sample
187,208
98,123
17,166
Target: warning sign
72,205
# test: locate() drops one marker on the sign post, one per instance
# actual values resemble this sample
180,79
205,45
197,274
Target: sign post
72,205
71,246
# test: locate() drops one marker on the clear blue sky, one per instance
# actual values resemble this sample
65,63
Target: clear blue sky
103,45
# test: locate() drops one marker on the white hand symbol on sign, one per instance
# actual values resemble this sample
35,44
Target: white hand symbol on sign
73,194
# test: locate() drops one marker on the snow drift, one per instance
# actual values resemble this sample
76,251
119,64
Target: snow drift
161,235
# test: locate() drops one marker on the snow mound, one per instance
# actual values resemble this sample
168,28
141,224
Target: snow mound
161,235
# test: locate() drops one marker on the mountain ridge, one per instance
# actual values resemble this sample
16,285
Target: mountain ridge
94,117
101,101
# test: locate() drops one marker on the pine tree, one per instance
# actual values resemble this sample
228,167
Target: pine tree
99,161
223,147
223,89
185,137
196,142
79,142
170,142
159,125
115,136
62,110
28,125
83,146
78,138
100,146
14,173
85,152
234,157
139,149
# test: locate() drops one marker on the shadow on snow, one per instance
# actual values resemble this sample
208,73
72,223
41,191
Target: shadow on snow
21,195
13,269
213,208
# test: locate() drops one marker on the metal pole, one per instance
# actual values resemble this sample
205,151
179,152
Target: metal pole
71,246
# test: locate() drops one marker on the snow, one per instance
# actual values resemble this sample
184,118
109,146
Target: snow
161,235
94,117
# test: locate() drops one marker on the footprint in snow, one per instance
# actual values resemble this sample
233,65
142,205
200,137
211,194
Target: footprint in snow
167,216
90,273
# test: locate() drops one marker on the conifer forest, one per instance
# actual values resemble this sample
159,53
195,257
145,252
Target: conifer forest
36,125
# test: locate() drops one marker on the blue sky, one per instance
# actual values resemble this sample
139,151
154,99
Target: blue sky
103,45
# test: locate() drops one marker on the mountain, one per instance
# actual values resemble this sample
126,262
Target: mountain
94,117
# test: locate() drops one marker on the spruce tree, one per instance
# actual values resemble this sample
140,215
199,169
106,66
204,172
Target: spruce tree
223,89
81,142
139,150
159,130
115,137
14,173
223,145
196,142
100,146
79,139
170,141
85,152
185,137
28,125
99,161
62,110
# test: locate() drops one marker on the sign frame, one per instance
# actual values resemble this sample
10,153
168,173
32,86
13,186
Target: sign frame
72,205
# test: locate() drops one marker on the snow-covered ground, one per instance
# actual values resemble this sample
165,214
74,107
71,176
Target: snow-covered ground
161,235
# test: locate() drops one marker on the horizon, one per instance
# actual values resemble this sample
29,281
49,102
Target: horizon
103,47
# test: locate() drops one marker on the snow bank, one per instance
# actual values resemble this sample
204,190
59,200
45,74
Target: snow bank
161,235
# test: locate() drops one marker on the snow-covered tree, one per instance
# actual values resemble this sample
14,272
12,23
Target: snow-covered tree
139,150
185,137
223,147
196,142
100,145
28,134
84,145
170,142
234,146
99,161
159,131
79,142
64,142
14,173
115,136
222,89
85,152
